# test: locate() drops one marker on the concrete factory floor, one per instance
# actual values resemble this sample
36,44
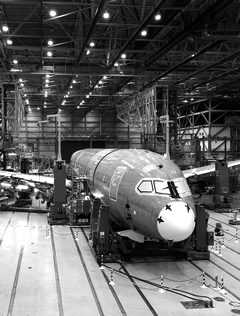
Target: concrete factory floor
51,271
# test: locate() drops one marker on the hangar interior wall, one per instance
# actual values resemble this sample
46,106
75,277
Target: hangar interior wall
77,131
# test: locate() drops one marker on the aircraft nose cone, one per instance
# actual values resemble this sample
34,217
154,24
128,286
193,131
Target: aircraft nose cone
176,221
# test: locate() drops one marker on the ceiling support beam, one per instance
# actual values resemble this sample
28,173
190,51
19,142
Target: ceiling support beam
90,31
184,62
213,65
137,32
214,9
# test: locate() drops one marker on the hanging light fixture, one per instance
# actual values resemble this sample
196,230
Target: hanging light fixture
106,15
5,28
50,42
52,13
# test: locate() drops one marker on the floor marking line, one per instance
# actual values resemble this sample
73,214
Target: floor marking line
8,224
146,301
115,295
16,278
15,282
58,286
117,300
87,275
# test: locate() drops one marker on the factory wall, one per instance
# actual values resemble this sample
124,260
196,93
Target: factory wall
77,131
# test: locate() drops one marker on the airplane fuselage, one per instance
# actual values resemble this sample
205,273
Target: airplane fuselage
145,191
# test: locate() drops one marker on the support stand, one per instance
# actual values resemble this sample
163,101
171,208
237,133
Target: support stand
109,246
201,237
58,209
222,197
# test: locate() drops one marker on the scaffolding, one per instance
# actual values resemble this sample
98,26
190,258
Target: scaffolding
12,113
143,113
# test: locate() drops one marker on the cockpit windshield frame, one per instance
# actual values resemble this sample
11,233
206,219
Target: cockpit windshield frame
163,187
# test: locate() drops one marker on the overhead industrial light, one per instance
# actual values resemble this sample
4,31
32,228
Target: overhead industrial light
15,70
52,13
5,28
144,32
106,15
88,52
9,42
15,61
92,44
124,56
158,17
49,54
50,42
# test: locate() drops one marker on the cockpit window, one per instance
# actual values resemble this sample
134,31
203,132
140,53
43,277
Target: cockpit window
182,186
145,186
161,187
175,189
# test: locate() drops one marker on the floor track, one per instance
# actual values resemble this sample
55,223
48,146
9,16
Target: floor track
59,269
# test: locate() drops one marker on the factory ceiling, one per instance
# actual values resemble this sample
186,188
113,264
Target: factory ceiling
91,54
